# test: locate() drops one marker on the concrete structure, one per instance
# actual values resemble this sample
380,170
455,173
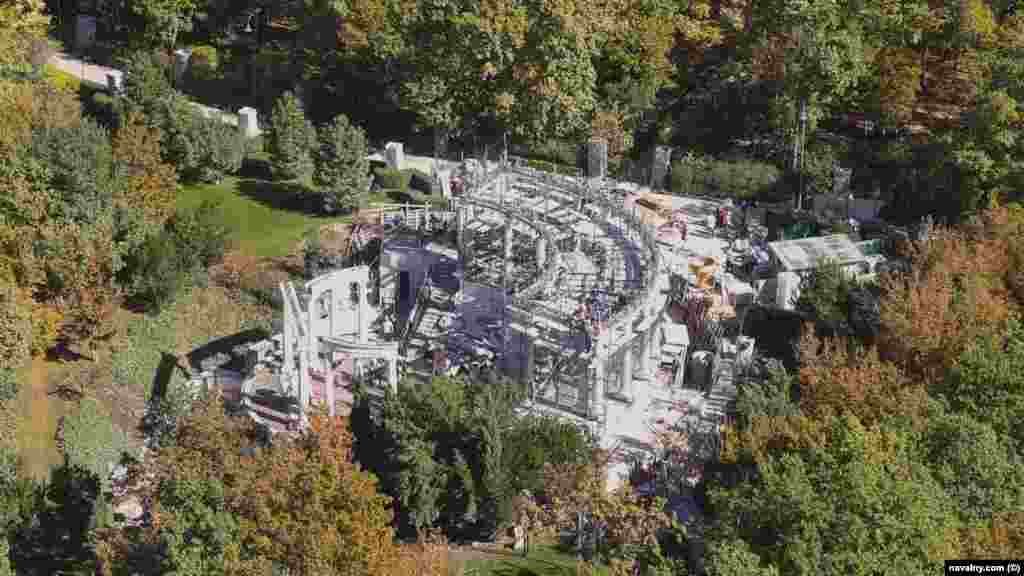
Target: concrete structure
394,155
332,317
611,367
115,83
660,162
597,158
182,58
793,258
248,122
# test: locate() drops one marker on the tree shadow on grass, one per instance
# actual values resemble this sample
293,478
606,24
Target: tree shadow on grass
530,567
55,539
288,196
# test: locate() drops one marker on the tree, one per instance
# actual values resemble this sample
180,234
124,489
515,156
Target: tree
158,270
203,149
199,536
200,234
975,466
290,139
21,23
227,501
815,50
341,169
5,558
310,508
537,439
734,558
986,383
148,185
80,159
988,152
147,88
861,498
15,316
630,524
930,317
8,385
165,20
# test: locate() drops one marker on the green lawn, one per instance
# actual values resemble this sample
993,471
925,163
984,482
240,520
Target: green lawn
267,219
542,561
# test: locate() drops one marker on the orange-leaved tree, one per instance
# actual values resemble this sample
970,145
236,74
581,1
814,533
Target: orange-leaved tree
960,289
227,502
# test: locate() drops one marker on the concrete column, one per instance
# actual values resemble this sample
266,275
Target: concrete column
329,391
248,123
508,245
302,380
460,229
627,372
531,354
645,356
597,386
394,154
114,81
364,313
508,237
654,346
597,158
287,344
659,166
181,61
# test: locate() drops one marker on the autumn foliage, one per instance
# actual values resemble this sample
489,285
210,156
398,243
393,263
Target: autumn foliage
300,503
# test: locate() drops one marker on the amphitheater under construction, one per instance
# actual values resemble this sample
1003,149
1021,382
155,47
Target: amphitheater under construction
599,296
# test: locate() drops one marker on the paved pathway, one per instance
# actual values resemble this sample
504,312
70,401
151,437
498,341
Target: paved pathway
96,75
91,73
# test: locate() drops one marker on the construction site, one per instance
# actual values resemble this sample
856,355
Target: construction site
615,307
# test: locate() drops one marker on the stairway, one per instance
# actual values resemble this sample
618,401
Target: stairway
721,399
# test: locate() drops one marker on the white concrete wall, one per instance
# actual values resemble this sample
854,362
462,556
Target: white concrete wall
343,317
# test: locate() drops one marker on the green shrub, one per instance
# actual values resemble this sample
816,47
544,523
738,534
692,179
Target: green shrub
8,384
158,271
92,440
61,80
147,86
203,149
199,235
341,169
392,179
204,63
743,179
290,139
553,151
223,150
80,161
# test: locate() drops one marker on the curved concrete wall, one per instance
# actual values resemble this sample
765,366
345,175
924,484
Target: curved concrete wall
526,217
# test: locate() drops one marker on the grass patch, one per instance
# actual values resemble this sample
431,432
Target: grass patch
266,219
196,317
36,414
542,561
